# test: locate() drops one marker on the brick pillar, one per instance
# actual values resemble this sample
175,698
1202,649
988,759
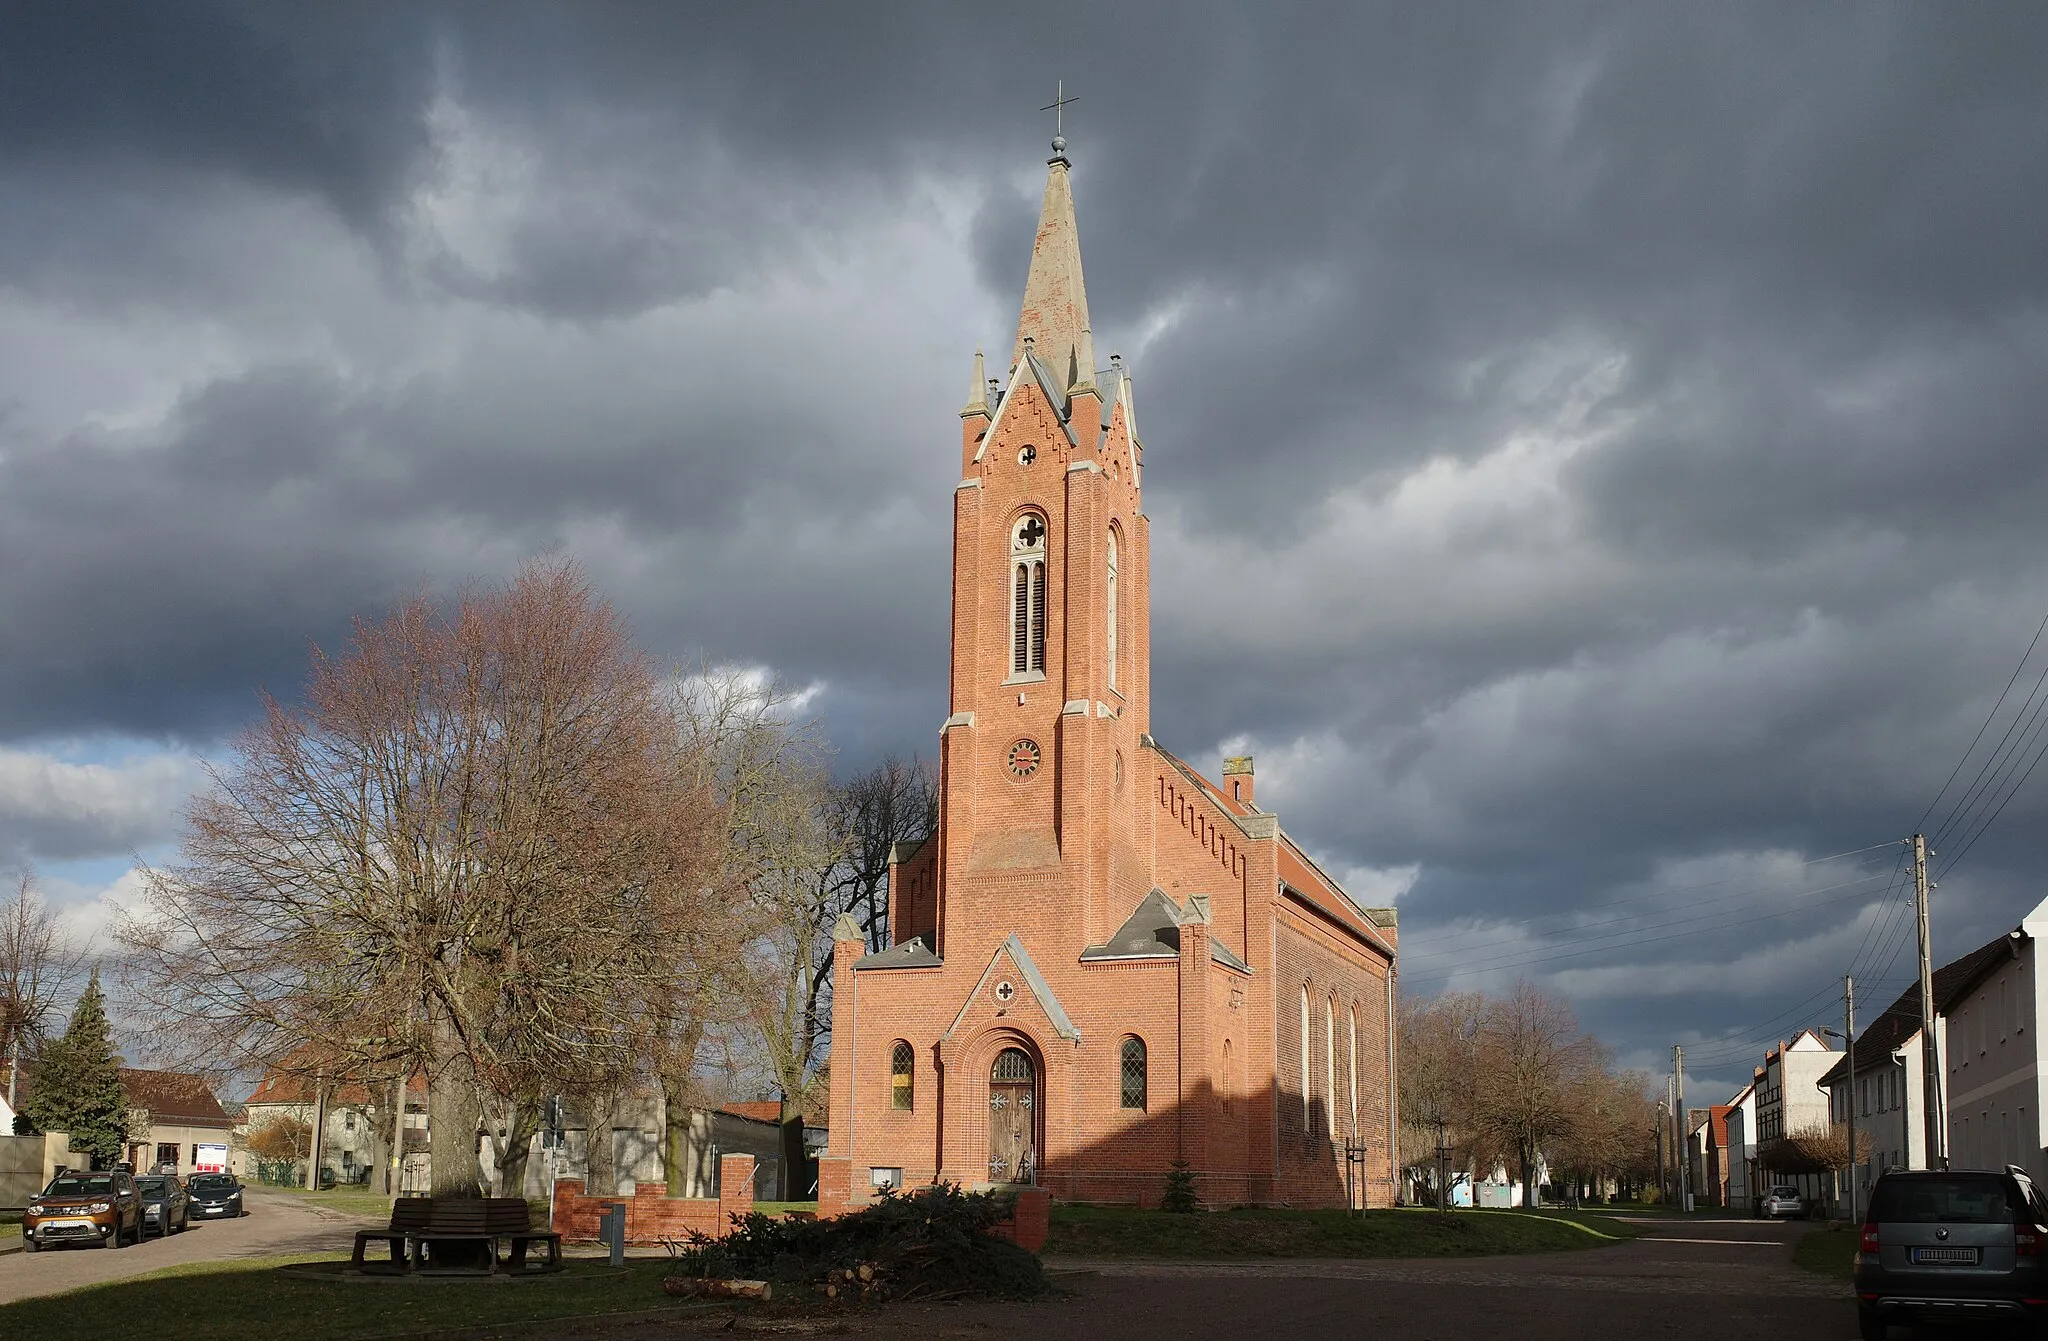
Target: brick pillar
735,1187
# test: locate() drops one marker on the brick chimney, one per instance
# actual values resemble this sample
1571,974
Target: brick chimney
1237,778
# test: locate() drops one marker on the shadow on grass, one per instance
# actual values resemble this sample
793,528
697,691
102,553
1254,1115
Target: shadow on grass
253,1300
1829,1252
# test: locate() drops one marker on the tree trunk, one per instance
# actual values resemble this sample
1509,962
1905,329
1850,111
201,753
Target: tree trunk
600,1169
452,1113
1528,1155
792,1152
521,1125
677,1064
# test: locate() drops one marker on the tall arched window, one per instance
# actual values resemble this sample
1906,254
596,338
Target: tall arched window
1027,595
902,1064
1354,1070
1132,1073
1330,1065
1305,1074
1110,603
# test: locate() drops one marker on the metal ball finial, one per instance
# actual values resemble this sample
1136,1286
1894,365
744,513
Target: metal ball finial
1059,144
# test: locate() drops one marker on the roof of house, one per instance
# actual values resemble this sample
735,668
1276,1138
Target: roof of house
1718,1115
1900,1021
297,1081
759,1110
174,1098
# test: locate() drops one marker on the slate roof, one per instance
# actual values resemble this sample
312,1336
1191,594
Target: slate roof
913,953
174,1098
1152,931
1901,1020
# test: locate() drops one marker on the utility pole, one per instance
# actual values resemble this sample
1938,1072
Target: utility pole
1849,1046
1663,1183
1684,1146
1930,1047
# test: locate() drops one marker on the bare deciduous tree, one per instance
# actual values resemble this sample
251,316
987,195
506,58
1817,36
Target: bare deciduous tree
466,853
39,964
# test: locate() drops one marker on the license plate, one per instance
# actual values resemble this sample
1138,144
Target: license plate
1945,1256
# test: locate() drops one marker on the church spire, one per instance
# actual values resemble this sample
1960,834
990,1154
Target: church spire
977,399
1055,314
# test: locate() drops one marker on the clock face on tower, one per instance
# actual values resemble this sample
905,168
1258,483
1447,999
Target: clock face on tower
1023,759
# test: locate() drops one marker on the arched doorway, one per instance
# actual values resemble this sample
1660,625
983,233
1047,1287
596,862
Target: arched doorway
1012,1118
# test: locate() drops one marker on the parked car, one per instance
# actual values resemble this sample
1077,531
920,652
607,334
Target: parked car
165,1207
1953,1246
1785,1203
215,1196
103,1209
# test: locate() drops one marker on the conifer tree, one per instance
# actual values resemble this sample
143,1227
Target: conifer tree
76,1087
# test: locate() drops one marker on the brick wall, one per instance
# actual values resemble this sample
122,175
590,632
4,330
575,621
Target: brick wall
651,1214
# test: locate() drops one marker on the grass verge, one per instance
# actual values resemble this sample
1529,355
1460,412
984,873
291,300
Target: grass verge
1830,1252
348,1201
784,1207
1097,1231
249,1300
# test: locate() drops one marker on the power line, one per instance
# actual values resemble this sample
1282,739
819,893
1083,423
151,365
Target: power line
1980,784
1633,898
1921,823
1609,921
1511,961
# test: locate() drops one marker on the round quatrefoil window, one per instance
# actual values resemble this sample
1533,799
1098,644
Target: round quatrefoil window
1023,758
1026,455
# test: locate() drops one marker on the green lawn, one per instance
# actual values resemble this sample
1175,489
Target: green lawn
1831,1252
248,1300
1091,1231
784,1207
347,1200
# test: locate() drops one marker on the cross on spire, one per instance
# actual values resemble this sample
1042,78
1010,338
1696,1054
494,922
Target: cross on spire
1058,108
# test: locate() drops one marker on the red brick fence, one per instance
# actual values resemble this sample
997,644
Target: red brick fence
651,1214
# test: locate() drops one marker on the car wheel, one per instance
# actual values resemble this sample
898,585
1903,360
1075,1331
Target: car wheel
1870,1324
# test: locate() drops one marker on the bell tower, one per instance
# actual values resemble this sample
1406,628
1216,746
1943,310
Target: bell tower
1051,651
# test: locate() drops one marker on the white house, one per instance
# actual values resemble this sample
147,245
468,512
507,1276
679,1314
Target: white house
1992,1063
1742,1146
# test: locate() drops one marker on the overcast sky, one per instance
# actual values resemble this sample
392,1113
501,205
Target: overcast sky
1595,452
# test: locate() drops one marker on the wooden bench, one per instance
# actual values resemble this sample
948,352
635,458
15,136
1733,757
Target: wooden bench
430,1234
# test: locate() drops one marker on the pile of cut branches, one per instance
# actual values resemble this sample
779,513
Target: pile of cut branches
932,1243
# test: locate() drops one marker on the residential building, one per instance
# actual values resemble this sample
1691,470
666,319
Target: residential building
1993,1058
352,1114
175,1122
1789,1101
1104,964
1742,1169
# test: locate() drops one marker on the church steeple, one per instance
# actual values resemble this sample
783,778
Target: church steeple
1055,315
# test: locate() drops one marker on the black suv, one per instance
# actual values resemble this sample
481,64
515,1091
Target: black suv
1952,1246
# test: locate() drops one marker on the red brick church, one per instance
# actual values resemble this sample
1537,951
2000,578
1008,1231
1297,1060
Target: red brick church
1103,963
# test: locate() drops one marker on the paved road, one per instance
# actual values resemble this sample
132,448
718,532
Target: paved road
277,1222
1698,1281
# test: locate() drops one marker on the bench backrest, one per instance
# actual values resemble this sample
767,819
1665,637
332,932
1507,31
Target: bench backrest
462,1215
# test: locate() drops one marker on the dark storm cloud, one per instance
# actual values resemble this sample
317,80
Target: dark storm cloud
1593,449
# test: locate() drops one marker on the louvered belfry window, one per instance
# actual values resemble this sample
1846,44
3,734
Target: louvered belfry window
1133,1073
1027,595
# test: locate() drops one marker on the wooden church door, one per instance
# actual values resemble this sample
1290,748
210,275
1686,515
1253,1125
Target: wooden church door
1012,1118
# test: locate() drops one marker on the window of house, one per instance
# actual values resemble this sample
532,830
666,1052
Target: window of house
1131,1073
1330,1066
348,1120
167,1154
1109,601
1354,1069
1027,578
1305,1086
901,1070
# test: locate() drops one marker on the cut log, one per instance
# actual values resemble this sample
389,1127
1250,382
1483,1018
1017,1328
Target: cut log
697,1287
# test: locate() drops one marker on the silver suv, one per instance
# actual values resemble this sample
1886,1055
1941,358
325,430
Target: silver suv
1953,1246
